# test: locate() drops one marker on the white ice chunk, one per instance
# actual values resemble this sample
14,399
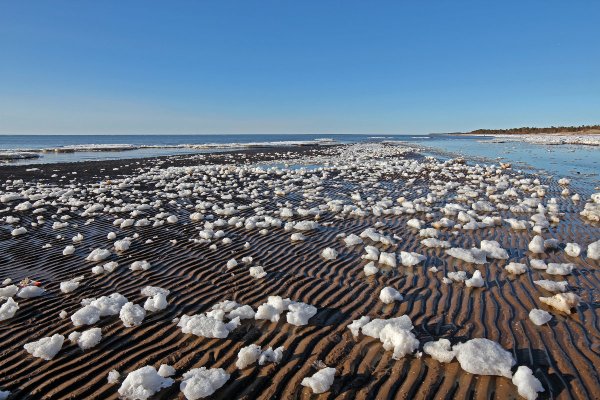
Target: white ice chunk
248,355
440,350
388,295
45,348
199,383
143,383
321,381
484,357
539,317
132,314
299,313
527,384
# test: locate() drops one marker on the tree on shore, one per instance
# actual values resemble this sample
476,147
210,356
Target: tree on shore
529,129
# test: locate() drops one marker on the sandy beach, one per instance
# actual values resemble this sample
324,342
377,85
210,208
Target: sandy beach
312,217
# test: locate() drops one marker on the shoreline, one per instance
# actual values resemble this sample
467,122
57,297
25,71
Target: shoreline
389,198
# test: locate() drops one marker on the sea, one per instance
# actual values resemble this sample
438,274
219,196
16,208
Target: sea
579,162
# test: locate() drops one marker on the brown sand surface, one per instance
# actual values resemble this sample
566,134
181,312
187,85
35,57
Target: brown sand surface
564,355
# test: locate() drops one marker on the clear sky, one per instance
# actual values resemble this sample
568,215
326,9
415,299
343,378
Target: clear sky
115,66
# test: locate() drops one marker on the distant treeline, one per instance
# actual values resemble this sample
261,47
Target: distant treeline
529,129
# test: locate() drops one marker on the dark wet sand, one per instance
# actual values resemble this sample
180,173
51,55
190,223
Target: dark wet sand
565,354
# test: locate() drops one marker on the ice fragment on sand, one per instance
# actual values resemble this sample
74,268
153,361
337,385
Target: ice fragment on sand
143,383
357,324
45,348
389,295
527,384
132,314
321,381
476,280
562,301
484,357
440,350
199,383
539,317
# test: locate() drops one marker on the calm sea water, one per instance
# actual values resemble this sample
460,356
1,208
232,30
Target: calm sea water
581,163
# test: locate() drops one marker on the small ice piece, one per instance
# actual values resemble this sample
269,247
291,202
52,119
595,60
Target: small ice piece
19,231
89,338
140,265
248,355
110,266
132,314
476,280
329,253
8,309
458,276
243,312
257,272
440,350
527,384
122,245
98,270
474,255
4,394
45,348
268,312
387,259
87,315
143,383
374,327
29,292
370,269
538,264
69,250
388,295
357,324
409,259
166,370
539,317
400,341
321,381
372,253
297,237
69,286
63,314
155,303
484,357
113,376
199,383
352,240
432,242
593,250
149,291
232,263
573,249
414,223
299,313
562,301
560,269
111,236
204,326
493,249
516,268
9,291
271,356
172,219
98,255
537,245
552,286
107,305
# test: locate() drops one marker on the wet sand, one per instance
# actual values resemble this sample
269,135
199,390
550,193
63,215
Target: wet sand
564,354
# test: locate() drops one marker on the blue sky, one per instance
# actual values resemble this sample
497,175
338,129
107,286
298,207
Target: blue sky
90,67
